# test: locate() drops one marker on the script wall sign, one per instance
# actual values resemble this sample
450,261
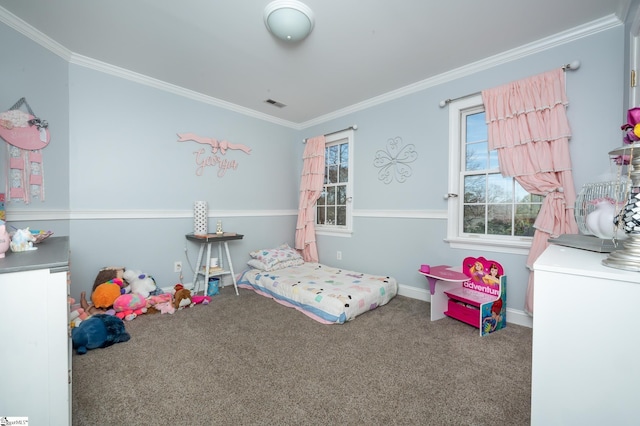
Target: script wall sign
217,156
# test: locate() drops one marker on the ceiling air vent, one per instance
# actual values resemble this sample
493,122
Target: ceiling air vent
275,103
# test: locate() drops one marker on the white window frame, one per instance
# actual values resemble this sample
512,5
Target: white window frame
347,229
455,237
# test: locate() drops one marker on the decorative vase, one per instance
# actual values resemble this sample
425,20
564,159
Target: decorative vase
628,255
631,212
5,240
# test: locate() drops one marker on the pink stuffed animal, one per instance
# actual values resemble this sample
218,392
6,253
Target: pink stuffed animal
160,298
161,302
130,305
201,300
165,307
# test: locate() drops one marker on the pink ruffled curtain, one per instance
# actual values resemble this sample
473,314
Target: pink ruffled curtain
528,126
311,185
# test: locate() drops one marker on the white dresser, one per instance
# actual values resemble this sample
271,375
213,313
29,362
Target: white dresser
35,354
586,341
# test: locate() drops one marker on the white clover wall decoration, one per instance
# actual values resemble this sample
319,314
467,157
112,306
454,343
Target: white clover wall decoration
394,162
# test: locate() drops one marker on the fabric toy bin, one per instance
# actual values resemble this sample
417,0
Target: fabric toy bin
213,287
464,312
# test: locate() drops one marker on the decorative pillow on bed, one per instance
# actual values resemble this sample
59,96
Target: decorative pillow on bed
276,258
256,264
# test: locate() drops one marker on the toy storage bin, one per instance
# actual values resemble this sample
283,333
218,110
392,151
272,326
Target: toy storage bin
213,286
464,312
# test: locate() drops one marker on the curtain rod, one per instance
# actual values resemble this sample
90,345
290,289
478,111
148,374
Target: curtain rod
354,127
574,65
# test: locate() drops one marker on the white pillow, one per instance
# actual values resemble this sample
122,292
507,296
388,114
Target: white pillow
256,264
270,257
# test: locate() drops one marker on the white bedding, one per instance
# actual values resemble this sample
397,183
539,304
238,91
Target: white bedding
326,294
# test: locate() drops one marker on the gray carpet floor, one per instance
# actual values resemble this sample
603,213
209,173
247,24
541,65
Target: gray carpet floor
246,360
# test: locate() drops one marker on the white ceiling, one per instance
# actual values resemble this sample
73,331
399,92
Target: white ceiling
358,50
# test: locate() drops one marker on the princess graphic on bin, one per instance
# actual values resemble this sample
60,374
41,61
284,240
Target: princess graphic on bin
476,272
490,323
493,277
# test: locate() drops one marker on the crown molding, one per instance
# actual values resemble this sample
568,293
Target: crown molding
43,40
106,68
564,37
623,10
27,30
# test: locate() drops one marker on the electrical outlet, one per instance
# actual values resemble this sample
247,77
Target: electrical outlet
177,266
339,255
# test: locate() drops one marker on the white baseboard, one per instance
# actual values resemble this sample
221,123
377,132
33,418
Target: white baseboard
514,316
188,286
224,281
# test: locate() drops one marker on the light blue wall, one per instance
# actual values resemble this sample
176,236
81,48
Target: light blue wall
126,156
397,245
117,167
28,70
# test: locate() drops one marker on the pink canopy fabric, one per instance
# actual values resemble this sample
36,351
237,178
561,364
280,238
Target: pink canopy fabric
528,126
311,185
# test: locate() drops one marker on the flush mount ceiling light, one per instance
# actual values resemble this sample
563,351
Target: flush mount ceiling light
289,20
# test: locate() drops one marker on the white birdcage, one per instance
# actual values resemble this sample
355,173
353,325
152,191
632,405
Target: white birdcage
614,190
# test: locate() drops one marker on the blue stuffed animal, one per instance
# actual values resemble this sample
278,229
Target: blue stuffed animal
98,331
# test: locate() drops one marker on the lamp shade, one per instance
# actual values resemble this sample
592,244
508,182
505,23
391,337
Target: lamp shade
289,20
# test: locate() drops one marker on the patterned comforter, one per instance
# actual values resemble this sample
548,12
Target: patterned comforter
326,294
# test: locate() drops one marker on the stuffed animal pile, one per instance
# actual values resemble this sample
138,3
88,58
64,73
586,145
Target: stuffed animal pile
128,293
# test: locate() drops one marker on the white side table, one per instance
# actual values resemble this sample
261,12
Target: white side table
206,241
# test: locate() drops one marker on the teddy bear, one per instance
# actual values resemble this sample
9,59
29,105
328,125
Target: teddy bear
139,283
182,297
